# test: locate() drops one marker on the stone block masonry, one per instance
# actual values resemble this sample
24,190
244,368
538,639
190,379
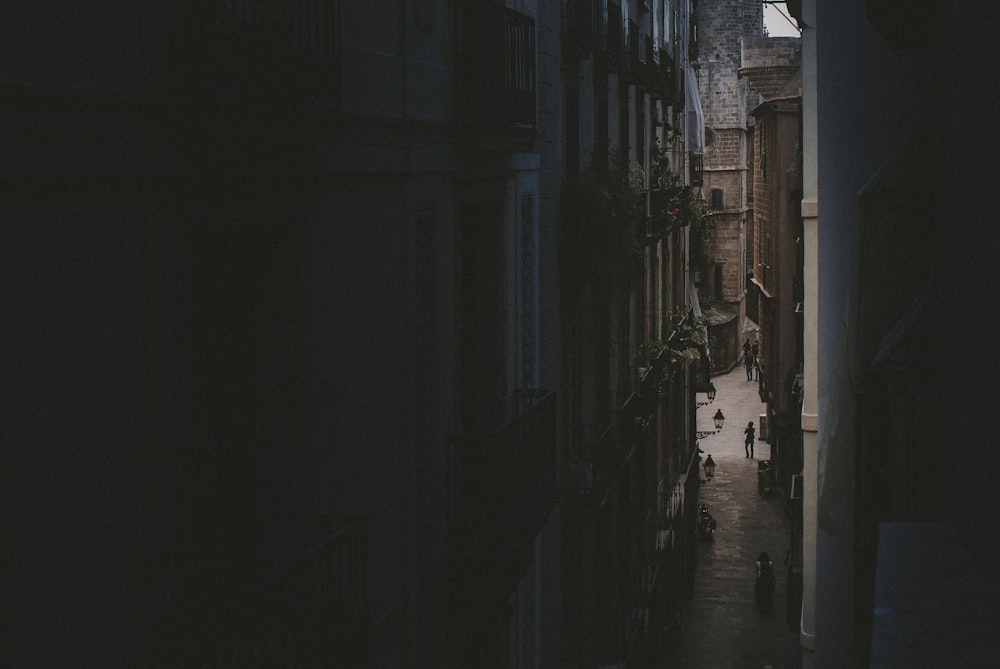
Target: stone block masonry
726,150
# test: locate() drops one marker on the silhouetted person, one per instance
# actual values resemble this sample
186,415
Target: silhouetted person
748,444
763,586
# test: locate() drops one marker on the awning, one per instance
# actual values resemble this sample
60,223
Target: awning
695,117
764,291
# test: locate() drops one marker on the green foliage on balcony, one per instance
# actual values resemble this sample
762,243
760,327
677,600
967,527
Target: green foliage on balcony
673,204
689,338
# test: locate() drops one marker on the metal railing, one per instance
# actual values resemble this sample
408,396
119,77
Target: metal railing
313,610
262,48
496,480
496,64
306,25
502,487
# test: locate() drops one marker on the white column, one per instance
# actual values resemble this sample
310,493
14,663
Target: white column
810,417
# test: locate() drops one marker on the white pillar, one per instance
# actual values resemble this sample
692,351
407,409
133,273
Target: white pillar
810,416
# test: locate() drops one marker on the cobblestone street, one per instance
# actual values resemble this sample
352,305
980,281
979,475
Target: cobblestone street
721,627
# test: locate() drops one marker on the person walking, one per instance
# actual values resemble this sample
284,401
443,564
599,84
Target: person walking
748,443
748,365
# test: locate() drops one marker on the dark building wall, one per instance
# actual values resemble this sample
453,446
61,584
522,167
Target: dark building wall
193,413
157,349
959,167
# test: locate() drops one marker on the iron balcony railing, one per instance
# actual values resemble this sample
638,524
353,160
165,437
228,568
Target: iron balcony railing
304,25
259,48
665,76
502,488
496,65
614,50
597,464
501,485
311,612
634,57
696,164
588,23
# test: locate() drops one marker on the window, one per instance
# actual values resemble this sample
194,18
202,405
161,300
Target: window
718,202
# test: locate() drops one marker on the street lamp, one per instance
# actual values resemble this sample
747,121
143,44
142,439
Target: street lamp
711,395
719,419
709,468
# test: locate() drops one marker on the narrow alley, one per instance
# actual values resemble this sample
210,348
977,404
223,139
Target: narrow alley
721,627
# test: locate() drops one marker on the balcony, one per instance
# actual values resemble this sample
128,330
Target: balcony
696,168
502,487
596,466
584,29
496,71
661,78
614,48
693,36
634,56
312,611
263,49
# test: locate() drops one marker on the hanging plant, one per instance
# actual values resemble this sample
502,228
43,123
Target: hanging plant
689,337
655,348
672,204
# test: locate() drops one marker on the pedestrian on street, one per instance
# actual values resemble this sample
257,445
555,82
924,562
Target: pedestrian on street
756,369
748,365
755,350
747,350
748,444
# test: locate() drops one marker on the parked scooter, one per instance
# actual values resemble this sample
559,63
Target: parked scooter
706,523
763,587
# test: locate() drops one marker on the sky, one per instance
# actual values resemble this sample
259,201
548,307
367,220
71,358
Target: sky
777,25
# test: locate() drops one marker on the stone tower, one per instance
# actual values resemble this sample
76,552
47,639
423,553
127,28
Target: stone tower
726,100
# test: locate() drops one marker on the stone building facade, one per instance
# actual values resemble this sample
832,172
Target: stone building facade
726,100
772,65
630,495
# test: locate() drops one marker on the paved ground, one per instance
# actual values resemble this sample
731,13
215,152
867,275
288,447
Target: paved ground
721,626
